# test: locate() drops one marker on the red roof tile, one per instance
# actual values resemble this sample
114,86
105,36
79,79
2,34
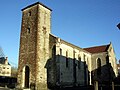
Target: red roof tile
97,49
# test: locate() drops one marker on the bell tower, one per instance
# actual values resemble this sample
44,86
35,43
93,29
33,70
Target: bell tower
34,46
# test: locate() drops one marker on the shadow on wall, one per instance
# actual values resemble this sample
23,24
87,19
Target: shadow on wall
65,72
104,75
117,79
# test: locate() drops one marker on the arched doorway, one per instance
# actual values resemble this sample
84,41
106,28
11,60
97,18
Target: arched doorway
27,72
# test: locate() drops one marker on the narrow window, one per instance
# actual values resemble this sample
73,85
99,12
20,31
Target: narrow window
79,61
98,66
28,30
98,62
60,56
60,52
66,58
54,52
29,13
107,60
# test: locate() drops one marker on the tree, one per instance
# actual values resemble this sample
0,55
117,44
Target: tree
14,72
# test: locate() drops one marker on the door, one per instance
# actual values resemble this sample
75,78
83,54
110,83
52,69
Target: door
27,72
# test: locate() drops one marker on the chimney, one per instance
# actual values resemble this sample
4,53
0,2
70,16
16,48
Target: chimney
6,60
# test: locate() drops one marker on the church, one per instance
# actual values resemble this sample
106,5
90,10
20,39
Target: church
47,61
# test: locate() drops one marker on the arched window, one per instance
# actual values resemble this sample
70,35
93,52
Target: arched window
107,60
98,62
98,66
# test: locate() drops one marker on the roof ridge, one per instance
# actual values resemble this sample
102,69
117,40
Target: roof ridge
97,46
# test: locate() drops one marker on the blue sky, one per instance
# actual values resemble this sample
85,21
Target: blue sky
84,23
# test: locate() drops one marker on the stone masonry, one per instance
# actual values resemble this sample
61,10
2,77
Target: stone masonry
34,46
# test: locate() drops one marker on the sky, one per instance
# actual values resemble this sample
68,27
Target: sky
84,23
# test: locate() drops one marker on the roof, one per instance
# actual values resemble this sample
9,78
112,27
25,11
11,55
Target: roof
2,60
36,4
97,49
69,44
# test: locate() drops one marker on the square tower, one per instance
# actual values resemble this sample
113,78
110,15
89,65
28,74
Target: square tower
34,46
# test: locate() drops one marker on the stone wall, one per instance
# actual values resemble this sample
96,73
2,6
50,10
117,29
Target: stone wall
27,51
42,56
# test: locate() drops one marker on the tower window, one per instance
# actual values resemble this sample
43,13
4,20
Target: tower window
29,13
28,30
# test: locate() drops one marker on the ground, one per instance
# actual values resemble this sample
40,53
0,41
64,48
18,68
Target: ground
3,88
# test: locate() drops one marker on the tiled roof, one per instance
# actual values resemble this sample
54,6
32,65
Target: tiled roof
97,49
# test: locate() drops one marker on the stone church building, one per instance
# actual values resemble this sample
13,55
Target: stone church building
47,61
